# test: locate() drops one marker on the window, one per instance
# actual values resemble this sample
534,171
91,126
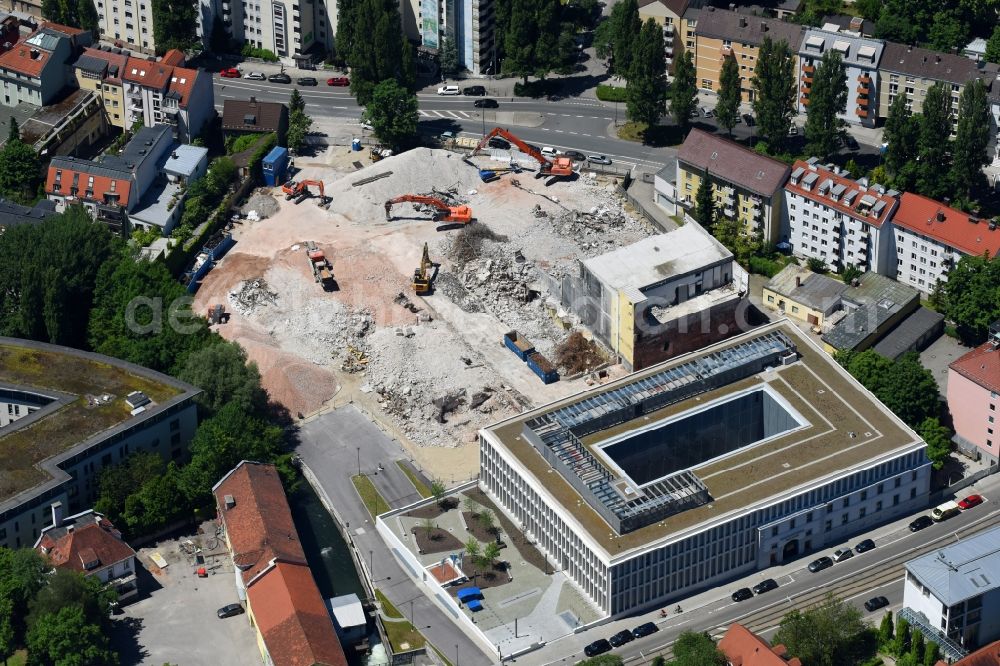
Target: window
770,299
844,518
795,308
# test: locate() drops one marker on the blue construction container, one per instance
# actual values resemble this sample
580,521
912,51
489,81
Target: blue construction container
518,345
275,166
541,367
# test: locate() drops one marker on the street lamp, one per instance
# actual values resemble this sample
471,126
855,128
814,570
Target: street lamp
359,461
456,654
371,565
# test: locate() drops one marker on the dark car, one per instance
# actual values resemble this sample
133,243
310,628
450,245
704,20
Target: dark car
765,586
280,78
645,630
474,91
486,104
599,646
574,155
851,142
743,594
748,119
499,143
875,603
621,638
864,546
920,523
307,81
229,611
820,564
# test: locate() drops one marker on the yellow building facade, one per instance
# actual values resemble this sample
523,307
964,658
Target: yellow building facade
99,70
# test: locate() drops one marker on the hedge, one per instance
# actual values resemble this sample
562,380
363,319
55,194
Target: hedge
610,93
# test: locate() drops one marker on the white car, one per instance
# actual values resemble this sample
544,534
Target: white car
449,90
255,76
549,151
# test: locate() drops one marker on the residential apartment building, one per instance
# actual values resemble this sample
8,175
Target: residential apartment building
470,23
974,398
861,60
746,185
288,28
929,238
37,70
721,34
837,219
802,294
100,70
911,71
128,23
158,92
669,14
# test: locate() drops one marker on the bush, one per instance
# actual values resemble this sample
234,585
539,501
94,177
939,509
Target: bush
240,143
264,54
764,266
535,88
611,93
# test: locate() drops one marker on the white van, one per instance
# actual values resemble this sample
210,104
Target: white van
449,90
945,511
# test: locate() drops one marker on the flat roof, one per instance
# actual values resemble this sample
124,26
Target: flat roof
955,572
877,299
846,429
817,291
658,258
79,379
905,336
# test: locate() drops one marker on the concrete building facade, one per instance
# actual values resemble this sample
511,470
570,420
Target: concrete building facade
974,399
100,70
669,14
861,60
639,525
128,23
160,93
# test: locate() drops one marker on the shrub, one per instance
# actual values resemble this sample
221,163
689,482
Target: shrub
264,54
610,93
764,266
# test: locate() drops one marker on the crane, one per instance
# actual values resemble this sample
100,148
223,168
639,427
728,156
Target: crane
422,276
444,213
562,167
300,190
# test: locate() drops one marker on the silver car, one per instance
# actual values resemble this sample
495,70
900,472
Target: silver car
255,76
598,159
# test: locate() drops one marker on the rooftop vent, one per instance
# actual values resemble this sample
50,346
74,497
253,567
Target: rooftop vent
137,399
230,502
35,54
940,217
249,119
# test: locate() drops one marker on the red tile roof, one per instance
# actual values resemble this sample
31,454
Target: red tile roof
745,648
293,619
67,30
981,365
987,656
93,539
102,183
173,57
149,74
182,82
19,59
259,524
850,185
949,226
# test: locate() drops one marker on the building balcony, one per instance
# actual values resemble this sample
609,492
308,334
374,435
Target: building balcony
864,79
863,90
726,51
863,101
804,101
861,113
808,69
805,89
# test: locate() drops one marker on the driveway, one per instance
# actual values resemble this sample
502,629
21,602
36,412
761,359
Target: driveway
174,620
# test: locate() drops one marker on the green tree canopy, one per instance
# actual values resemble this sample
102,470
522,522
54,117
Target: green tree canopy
67,638
993,46
119,481
448,57
174,24
65,587
299,125
646,92
602,660
683,91
694,648
392,113
947,32
22,575
704,202
774,92
296,102
904,386
20,172
970,151
971,297
902,134
158,503
827,100
626,27
373,49
827,635
727,107
938,440
221,371
934,143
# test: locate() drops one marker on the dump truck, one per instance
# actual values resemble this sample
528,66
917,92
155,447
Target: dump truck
321,268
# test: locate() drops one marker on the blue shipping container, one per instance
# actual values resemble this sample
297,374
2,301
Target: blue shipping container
514,342
541,367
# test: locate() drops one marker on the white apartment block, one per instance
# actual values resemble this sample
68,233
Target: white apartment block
929,238
861,59
285,27
128,22
470,23
837,219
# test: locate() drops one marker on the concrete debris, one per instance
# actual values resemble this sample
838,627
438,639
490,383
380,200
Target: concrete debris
250,295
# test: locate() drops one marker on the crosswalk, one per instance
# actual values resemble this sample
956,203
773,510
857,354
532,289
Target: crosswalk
457,115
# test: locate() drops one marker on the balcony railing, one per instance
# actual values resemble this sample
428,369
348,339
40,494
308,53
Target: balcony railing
804,101
861,113
863,90
808,69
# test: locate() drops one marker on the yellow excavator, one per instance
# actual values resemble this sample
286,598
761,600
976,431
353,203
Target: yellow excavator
422,276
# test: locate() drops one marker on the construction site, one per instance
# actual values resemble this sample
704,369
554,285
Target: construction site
420,287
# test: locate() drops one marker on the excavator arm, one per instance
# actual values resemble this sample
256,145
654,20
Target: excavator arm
544,163
446,213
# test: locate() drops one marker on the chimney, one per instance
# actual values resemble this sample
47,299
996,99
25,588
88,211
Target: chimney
230,502
253,100
798,280
763,27
940,216
57,514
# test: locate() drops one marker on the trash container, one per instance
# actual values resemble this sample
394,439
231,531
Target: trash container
356,145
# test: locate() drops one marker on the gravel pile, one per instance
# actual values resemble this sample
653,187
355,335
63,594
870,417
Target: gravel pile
262,203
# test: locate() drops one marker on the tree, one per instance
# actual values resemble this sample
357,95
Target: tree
827,100
931,653
299,125
159,503
935,131
970,297
774,92
491,552
823,636
472,549
295,102
683,93
901,644
626,26
373,48
704,202
65,587
86,16
471,507
408,66
221,371
487,520
448,57
993,46
850,273
429,526
816,265
392,113
602,660
938,440
660,660
20,171
647,83
117,482
8,644
904,386
885,631
727,108
66,638
970,152
697,649
174,23
14,132
948,31
22,574
902,136
438,491
917,647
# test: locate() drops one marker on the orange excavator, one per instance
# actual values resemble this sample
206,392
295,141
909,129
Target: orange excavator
300,190
443,212
562,167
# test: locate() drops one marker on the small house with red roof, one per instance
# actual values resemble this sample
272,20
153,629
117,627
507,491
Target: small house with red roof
742,647
974,398
37,70
88,543
284,605
158,92
931,237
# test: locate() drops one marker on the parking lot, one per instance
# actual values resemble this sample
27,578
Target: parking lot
174,621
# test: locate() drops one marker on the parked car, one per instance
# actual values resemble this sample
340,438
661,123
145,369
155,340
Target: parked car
851,142
748,119
280,78
743,594
340,81
707,112
255,76
645,630
600,646
792,130
474,91
864,546
549,151
621,638
229,610
820,564
843,554
875,603
449,90
574,155
499,143
970,501
230,73
920,523
598,159
485,104
765,586
307,81
447,136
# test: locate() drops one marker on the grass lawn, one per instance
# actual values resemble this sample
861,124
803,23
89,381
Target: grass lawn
403,632
374,502
421,487
387,608
660,135
19,658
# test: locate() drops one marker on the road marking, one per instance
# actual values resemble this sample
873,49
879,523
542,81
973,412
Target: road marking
559,131
573,132
424,113
453,114
581,116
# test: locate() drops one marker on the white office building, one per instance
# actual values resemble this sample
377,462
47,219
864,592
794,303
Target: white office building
861,59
